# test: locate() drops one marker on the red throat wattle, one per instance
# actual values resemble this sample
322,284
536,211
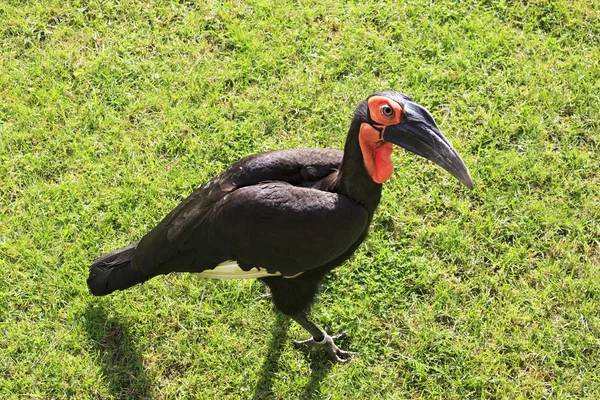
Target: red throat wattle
377,156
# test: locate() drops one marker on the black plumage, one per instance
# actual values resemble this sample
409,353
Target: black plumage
287,216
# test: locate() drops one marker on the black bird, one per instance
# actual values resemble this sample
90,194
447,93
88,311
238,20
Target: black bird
286,217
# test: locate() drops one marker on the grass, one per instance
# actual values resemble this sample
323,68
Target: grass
112,112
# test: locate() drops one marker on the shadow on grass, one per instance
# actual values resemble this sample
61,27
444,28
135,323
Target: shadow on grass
319,368
270,367
123,367
320,365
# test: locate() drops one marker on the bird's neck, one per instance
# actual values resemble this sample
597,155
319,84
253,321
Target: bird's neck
354,180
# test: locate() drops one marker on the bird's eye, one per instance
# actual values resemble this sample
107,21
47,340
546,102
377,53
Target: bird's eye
386,110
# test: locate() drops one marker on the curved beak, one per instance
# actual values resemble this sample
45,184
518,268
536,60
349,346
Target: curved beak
418,133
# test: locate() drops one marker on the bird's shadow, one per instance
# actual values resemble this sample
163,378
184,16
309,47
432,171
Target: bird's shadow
319,368
270,367
124,372
319,364
121,362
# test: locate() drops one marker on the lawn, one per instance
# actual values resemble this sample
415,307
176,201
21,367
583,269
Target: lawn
112,112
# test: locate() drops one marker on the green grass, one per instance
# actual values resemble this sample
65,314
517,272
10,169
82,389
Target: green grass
112,112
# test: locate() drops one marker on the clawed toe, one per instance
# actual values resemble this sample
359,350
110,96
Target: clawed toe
335,353
267,296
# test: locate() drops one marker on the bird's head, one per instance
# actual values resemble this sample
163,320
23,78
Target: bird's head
388,118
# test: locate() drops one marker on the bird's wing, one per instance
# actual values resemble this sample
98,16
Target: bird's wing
164,243
295,166
286,229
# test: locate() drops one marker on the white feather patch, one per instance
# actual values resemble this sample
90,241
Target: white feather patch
231,270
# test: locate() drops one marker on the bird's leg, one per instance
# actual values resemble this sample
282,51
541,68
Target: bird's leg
321,338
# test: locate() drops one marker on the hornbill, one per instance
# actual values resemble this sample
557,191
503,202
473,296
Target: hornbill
286,217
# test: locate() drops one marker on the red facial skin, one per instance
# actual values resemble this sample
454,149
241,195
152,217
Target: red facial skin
377,154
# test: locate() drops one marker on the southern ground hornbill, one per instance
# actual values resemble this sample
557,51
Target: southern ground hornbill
286,217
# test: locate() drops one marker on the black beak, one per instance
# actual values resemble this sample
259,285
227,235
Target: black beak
419,134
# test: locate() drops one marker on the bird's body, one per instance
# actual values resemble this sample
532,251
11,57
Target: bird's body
286,217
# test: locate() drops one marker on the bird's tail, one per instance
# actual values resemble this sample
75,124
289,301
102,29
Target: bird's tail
114,271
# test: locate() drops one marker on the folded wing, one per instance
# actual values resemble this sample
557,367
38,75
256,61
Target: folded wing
245,215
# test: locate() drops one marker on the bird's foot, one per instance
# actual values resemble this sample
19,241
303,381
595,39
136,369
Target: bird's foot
335,353
267,296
